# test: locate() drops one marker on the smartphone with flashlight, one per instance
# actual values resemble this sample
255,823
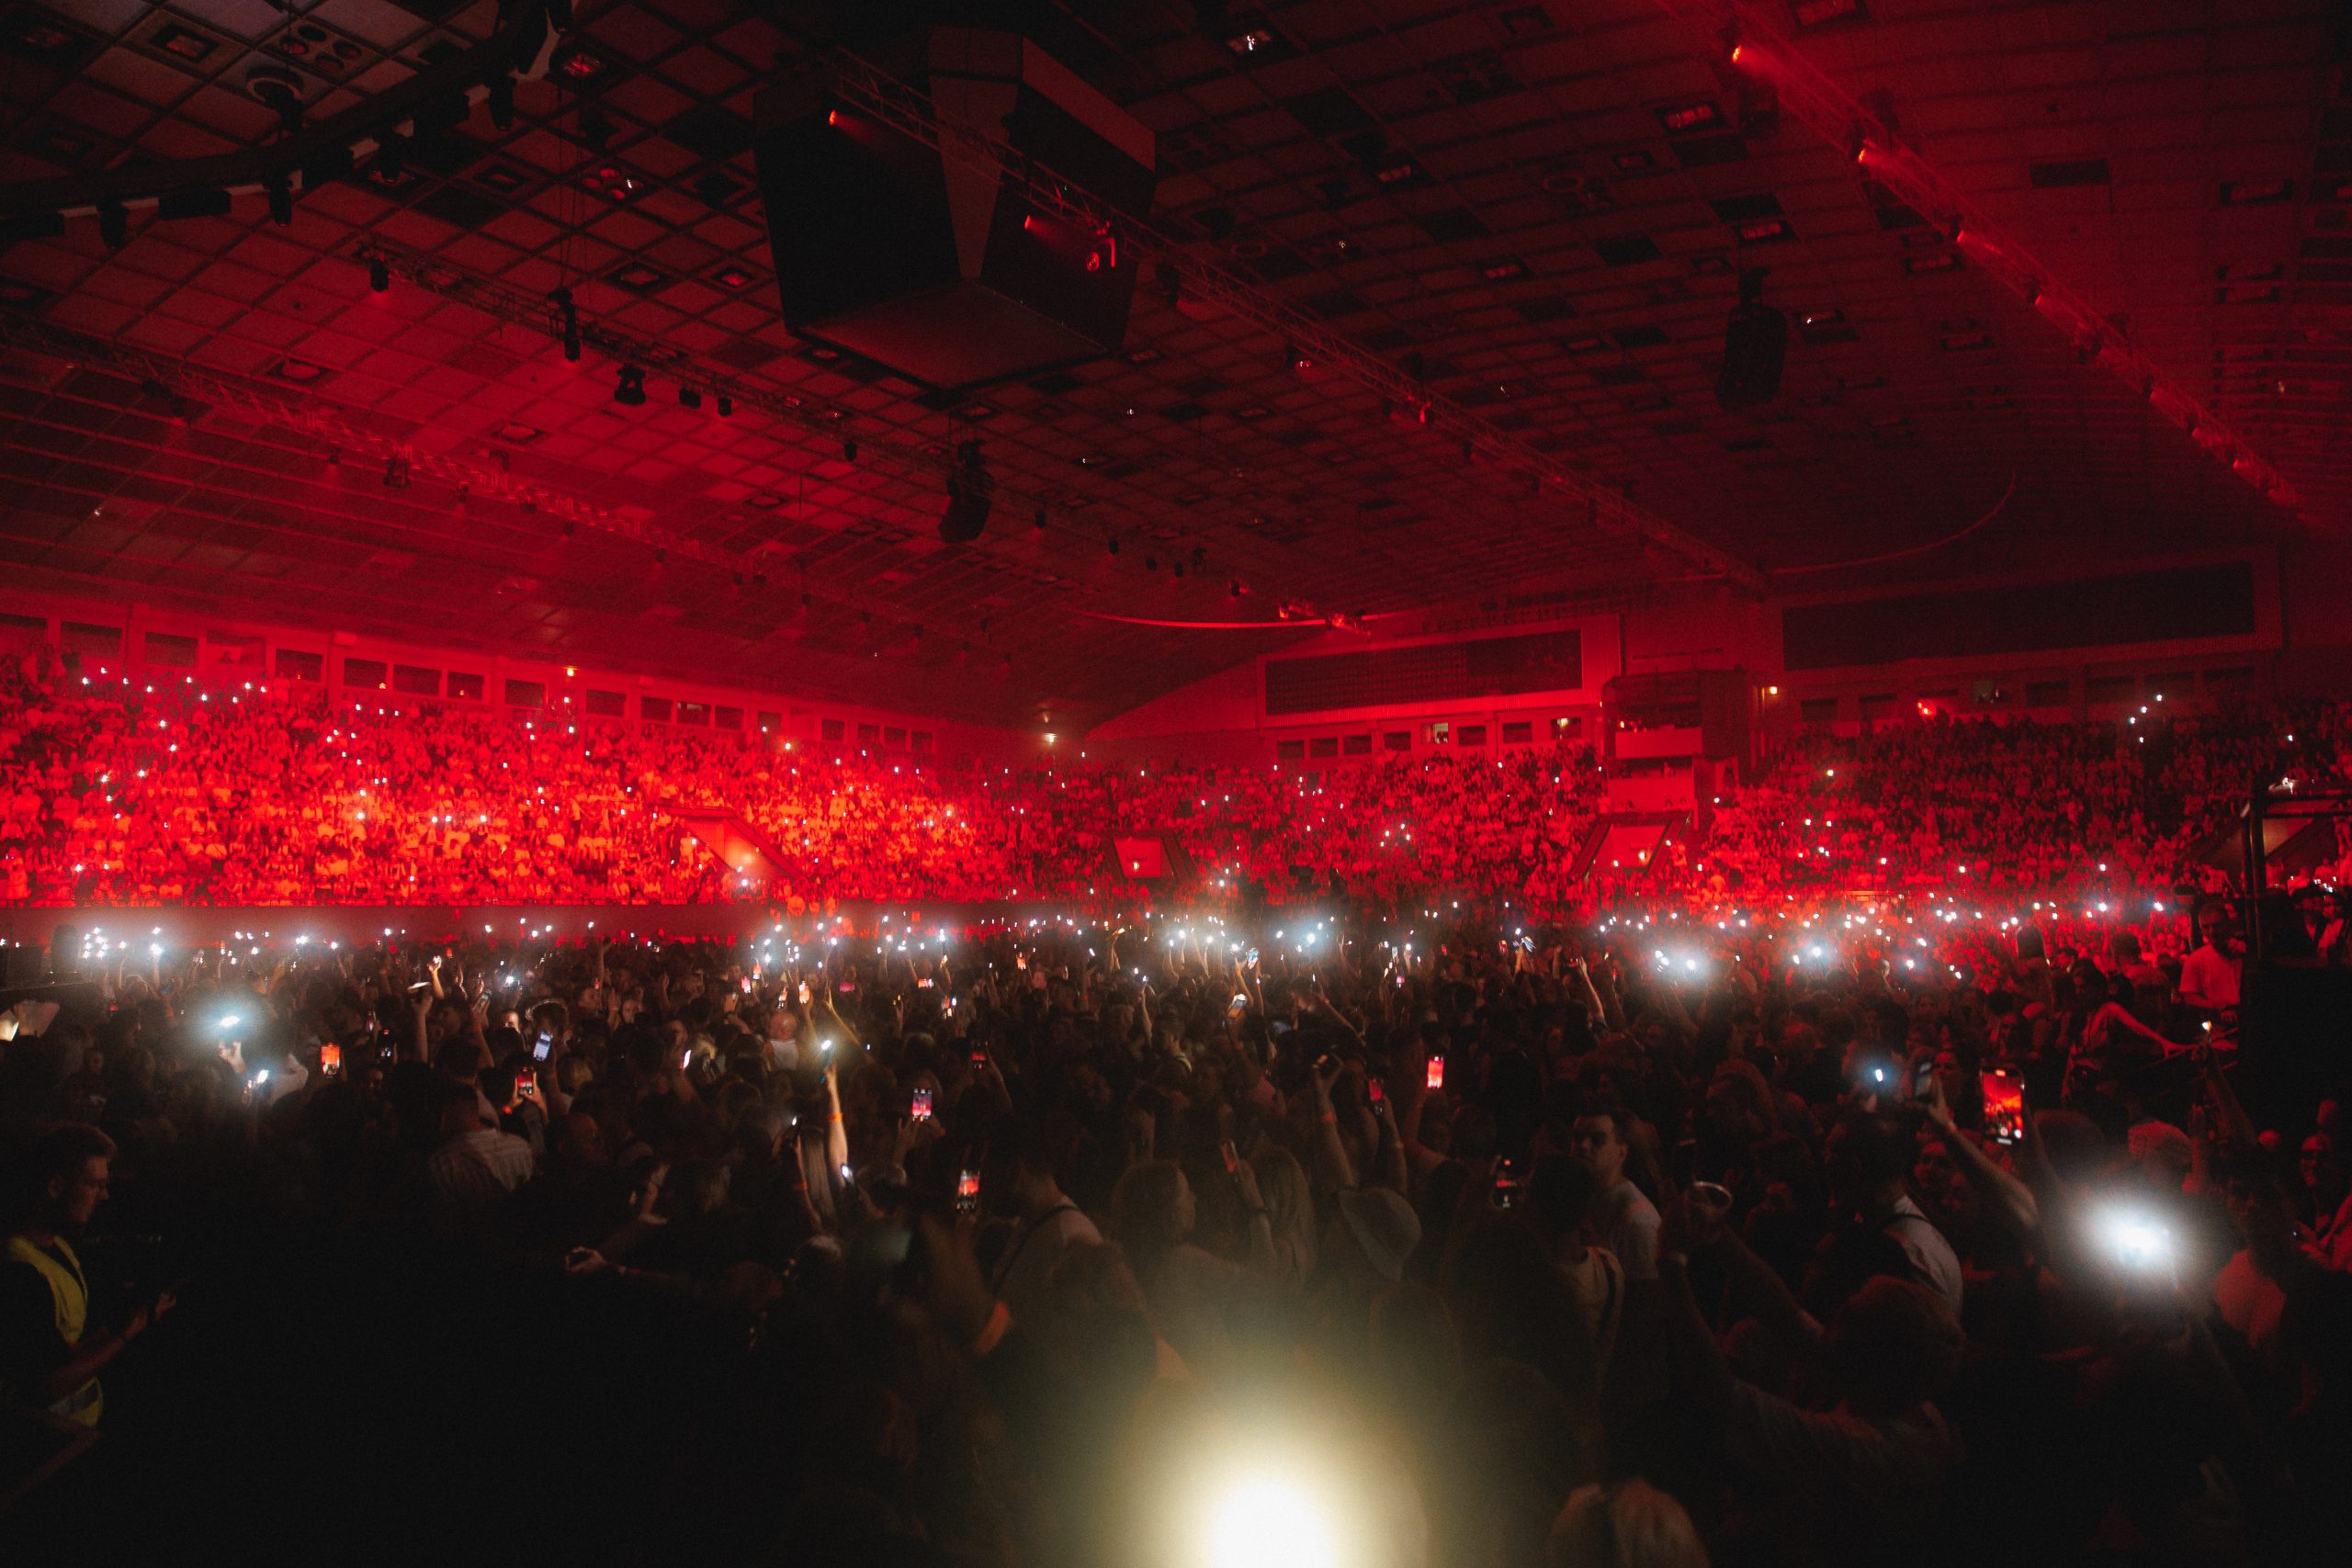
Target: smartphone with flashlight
526,1083
967,1192
1376,1090
542,1046
1231,1156
1506,1183
1437,1072
747,985
2004,1106
846,986
331,1061
2141,1244
419,985
804,993
919,1107
922,983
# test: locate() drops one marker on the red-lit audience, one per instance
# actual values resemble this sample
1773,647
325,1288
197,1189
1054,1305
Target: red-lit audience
234,797
1112,1247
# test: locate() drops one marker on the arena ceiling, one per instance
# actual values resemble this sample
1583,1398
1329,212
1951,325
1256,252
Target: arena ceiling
1535,209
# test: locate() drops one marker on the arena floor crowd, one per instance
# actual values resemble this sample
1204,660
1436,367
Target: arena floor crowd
1613,1227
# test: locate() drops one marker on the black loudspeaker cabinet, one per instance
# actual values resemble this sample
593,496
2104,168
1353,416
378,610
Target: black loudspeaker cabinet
1756,346
2295,1039
930,264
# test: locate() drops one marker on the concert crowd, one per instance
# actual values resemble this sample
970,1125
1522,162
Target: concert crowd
222,795
1333,1238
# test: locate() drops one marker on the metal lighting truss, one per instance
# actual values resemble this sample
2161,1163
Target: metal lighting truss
865,89
306,415
1741,44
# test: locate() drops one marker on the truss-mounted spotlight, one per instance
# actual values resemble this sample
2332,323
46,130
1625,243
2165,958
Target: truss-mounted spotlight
726,406
849,451
114,224
689,396
1037,519
379,276
631,392
280,189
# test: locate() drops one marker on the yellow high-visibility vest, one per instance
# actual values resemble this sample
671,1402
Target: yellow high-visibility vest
68,1293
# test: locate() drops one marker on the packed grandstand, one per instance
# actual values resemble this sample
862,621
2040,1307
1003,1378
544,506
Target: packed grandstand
123,792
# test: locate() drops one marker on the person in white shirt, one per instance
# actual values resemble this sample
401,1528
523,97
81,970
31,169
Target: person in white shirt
1560,1199
1868,1159
1623,1221
475,1166
2209,977
1047,1223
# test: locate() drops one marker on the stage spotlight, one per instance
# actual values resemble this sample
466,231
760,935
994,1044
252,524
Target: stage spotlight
971,492
1037,519
689,397
1115,544
849,450
631,393
281,192
726,406
114,225
379,276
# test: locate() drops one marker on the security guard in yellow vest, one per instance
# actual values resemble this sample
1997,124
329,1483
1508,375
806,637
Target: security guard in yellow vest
49,1354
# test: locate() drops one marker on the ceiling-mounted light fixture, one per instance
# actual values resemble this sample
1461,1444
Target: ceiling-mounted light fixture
689,396
379,276
726,406
631,392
